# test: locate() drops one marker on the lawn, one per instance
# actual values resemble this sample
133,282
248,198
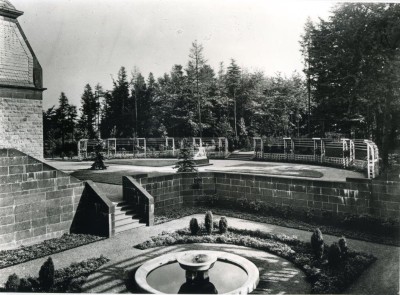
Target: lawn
144,162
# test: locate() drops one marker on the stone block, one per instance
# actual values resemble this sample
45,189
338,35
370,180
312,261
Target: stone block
6,210
24,216
6,229
7,201
3,170
39,222
22,208
39,231
29,185
50,211
18,169
22,235
22,225
52,219
9,219
34,167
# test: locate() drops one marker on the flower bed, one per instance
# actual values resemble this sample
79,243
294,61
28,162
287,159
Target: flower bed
284,217
323,276
68,279
45,248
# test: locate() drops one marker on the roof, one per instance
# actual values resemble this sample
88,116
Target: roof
9,10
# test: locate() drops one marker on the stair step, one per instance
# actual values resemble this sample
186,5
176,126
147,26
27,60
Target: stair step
129,226
123,215
124,221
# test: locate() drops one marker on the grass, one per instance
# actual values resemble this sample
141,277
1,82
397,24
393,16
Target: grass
325,276
45,248
286,219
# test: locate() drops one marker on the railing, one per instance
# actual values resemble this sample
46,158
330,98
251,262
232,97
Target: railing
136,195
151,147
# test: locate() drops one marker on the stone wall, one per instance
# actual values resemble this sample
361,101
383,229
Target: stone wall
37,201
21,125
354,196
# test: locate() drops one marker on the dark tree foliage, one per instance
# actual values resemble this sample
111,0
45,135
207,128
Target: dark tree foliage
89,111
352,61
223,225
334,254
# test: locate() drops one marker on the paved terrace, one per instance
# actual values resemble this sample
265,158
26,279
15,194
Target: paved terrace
382,277
254,167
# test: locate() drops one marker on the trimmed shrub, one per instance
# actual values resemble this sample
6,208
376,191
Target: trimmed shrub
194,226
317,243
343,246
25,285
223,225
208,222
46,275
12,283
334,254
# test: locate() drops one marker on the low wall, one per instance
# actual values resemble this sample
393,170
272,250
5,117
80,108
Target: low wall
37,201
354,196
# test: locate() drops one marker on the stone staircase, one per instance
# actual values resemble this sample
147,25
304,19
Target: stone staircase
243,156
125,217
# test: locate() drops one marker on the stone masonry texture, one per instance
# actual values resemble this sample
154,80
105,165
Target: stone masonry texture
354,196
21,125
37,201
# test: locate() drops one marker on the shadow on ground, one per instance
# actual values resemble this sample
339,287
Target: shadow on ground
277,275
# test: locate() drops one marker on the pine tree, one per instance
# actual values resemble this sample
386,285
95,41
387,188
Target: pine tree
88,110
233,84
185,163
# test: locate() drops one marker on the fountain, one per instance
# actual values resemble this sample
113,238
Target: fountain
198,271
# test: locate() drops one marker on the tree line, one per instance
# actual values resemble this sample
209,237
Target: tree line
351,87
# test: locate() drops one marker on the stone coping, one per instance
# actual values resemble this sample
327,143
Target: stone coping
253,276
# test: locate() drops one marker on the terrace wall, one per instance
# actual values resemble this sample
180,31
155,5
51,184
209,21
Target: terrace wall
37,202
354,196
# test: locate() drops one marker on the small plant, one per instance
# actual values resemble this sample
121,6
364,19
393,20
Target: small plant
12,283
46,275
25,285
208,222
194,226
185,163
99,159
223,225
343,246
334,254
317,243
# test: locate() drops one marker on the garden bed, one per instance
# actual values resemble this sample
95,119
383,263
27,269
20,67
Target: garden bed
324,277
284,217
65,280
45,248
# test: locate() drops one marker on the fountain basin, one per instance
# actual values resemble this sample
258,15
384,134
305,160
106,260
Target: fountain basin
156,275
196,260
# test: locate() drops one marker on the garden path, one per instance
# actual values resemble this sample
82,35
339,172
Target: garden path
382,277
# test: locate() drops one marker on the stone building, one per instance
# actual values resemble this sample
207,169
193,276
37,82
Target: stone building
21,88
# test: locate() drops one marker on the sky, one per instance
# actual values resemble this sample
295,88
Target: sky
87,41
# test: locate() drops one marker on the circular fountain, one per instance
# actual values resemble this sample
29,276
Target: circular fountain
202,272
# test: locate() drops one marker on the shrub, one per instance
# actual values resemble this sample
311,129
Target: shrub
46,275
25,285
317,243
334,254
343,245
194,226
12,283
208,222
223,225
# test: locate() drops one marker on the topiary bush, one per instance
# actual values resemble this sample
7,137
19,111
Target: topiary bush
223,225
12,283
317,243
46,275
208,222
334,254
343,246
194,226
